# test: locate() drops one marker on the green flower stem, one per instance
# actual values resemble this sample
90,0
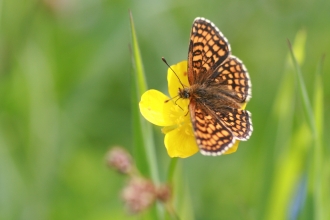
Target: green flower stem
171,169
171,213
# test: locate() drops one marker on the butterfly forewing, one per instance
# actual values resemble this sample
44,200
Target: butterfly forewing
208,49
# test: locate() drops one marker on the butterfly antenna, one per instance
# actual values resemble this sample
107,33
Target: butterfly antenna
178,97
164,60
167,100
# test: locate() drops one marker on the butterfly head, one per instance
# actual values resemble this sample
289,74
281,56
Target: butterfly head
184,93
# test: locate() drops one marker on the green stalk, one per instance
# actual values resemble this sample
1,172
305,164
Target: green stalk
171,169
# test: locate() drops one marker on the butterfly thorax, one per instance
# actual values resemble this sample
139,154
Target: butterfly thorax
212,97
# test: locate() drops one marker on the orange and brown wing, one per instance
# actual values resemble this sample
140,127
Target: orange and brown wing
212,136
207,50
235,78
237,121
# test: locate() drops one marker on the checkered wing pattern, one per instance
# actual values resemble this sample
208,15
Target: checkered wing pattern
234,76
238,121
219,86
208,49
212,136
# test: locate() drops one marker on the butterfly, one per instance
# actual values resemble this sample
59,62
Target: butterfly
219,87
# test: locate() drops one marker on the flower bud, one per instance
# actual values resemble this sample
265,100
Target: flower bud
164,193
119,159
139,194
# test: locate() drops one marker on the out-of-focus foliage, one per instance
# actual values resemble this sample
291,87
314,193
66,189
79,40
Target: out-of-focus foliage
65,98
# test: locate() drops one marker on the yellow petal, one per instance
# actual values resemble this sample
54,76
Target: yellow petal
177,112
181,142
151,107
173,82
243,105
233,149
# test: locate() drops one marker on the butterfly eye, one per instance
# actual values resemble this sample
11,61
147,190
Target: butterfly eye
184,93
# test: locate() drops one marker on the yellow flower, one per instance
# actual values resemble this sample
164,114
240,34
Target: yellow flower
173,115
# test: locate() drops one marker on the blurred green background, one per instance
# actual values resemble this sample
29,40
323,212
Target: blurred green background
65,84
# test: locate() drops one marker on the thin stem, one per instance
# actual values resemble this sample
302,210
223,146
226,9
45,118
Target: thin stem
171,169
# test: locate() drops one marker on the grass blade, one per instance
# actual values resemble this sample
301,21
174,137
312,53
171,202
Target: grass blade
315,190
290,144
146,143
144,149
318,152
303,92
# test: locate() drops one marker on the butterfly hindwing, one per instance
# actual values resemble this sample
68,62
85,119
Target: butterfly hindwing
212,136
238,121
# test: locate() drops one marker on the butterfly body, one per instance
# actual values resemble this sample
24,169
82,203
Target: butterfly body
219,88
